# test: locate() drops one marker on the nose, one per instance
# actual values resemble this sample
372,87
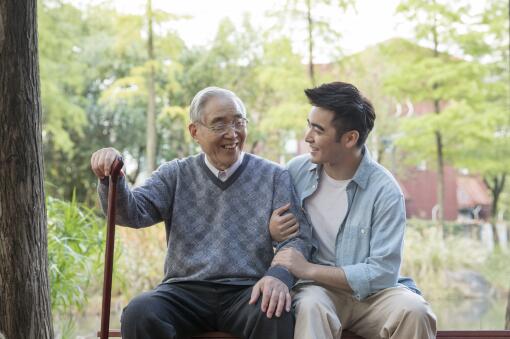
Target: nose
308,135
231,132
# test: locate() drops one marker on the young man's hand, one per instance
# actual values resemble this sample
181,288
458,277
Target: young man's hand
283,226
293,260
275,296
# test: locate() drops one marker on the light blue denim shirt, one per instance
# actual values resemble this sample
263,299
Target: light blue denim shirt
370,239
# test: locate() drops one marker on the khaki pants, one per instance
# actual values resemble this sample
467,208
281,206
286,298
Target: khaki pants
395,313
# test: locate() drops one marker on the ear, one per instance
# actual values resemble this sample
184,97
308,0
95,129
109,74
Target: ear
193,131
350,138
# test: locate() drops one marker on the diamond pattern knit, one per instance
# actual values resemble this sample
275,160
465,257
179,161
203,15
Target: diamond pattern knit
216,231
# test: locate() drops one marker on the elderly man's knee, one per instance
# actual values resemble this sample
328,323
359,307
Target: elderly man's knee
282,326
141,312
136,309
142,318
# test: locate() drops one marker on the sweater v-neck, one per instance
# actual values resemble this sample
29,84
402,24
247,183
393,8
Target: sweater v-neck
223,185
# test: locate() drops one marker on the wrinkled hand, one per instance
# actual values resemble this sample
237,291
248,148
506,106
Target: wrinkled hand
293,260
283,226
102,160
275,296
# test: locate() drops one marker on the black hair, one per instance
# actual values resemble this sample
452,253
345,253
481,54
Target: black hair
352,110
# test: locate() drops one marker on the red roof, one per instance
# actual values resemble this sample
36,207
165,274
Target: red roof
471,191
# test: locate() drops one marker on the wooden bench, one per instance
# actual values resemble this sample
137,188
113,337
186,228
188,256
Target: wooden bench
481,334
223,335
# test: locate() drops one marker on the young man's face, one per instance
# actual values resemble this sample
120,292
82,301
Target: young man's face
322,138
222,147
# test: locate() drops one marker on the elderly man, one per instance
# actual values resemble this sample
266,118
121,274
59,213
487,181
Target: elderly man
216,207
358,217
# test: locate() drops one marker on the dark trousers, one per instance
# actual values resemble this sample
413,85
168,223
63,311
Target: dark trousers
179,310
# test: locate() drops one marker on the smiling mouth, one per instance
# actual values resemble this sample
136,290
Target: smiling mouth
230,146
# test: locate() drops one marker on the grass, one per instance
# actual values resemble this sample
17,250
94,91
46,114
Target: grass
428,257
76,247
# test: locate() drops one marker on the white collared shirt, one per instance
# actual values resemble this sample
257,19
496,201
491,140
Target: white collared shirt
228,172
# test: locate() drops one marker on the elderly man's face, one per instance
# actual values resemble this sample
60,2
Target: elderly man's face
222,147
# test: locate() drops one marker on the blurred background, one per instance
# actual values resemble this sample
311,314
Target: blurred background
122,74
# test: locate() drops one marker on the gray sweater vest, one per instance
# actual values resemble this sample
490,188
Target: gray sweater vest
216,231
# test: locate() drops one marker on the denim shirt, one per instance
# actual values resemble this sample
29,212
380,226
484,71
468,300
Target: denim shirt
370,239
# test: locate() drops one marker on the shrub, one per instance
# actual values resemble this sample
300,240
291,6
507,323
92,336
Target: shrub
75,247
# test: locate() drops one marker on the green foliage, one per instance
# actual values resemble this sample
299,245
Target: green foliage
428,257
463,81
97,97
280,108
75,245
496,268
437,21
175,140
61,88
139,260
369,70
313,21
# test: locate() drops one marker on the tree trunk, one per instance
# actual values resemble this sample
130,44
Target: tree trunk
496,184
439,141
25,308
151,106
440,176
440,179
311,72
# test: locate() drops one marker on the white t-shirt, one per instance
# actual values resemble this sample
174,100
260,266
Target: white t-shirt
327,208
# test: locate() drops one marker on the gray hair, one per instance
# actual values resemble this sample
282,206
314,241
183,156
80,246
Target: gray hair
197,104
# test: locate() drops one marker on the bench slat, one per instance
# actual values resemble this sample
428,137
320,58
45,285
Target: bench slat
484,334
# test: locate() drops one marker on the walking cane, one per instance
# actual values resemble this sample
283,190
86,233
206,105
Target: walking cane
110,242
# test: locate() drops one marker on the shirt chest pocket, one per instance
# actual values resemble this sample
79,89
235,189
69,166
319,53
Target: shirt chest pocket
362,236
363,232
356,244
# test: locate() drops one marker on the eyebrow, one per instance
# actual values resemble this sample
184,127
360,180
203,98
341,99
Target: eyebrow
223,119
319,127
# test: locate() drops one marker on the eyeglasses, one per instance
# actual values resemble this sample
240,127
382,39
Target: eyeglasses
221,128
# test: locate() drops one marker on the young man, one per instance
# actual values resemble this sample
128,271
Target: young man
358,218
216,208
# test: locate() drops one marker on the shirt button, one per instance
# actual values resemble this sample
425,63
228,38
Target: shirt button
362,231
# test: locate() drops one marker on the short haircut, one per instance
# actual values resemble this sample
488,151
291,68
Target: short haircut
196,110
352,110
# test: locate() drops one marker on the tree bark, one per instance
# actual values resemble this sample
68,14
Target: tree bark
25,308
151,106
496,184
440,178
439,140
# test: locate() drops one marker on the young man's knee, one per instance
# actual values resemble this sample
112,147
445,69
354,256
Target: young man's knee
310,303
420,313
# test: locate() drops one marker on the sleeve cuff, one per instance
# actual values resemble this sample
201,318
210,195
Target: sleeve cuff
358,279
281,273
